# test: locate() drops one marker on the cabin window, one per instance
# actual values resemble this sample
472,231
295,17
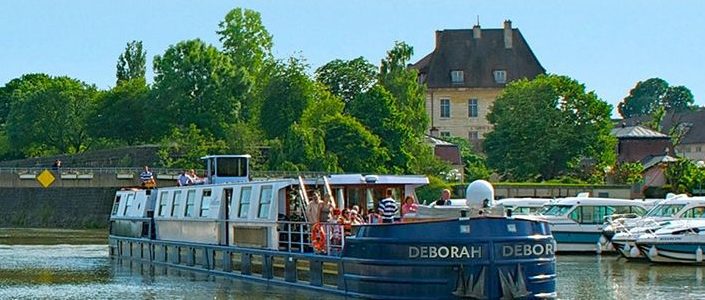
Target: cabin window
591,214
638,210
695,212
232,167
128,203
205,202
190,199
163,197
265,201
244,202
175,203
116,205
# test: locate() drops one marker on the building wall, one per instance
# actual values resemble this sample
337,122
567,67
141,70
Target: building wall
56,208
633,150
694,152
459,124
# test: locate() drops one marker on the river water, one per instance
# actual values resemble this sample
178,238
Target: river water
72,269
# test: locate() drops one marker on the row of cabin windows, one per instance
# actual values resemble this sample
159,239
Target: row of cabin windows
597,214
265,202
472,108
458,76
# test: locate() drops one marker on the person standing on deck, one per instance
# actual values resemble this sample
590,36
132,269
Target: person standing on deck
388,207
183,178
147,178
313,214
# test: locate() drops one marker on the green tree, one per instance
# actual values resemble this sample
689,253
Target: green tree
120,113
52,117
678,98
684,176
18,89
644,98
246,40
544,127
347,78
132,64
286,96
183,148
402,83
629,173
356,148
196,84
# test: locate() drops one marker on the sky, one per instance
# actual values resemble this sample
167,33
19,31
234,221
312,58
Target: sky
607,45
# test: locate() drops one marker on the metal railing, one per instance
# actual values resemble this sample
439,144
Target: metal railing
297,237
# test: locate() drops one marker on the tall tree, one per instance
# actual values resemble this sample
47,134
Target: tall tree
196,84
120,113
52,117
132,64
647,96
544,127
356,148
18,89
347,79
286,96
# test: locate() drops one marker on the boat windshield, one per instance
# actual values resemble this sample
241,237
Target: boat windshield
665,210
556,210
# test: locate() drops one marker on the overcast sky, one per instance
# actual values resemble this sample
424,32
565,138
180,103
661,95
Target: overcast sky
607,45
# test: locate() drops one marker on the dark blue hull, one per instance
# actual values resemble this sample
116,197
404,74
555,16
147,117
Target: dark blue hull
484,258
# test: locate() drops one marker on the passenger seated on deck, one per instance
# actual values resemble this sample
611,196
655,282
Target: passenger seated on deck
194,179
445,198
409,205
355,218
147,178
183,178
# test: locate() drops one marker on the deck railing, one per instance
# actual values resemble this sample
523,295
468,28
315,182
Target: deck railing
297,237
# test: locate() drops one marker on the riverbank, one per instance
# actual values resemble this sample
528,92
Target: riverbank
52,236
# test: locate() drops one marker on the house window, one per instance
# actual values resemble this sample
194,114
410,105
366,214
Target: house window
500,76
698,148
473,135
244,202
457,76
445,108
472,108
445,134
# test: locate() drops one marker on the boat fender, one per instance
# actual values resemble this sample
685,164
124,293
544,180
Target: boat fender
634,252
599,248
699,255
653,252
603,240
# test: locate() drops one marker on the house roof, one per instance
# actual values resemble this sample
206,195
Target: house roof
654,160
444,150
637,132
693,122
456,49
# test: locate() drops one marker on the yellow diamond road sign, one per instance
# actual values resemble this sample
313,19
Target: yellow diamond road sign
45,178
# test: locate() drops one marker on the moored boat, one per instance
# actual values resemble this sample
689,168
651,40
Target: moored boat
681,241
258,230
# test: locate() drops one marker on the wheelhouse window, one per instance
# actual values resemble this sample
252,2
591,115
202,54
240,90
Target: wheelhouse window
445,108
665,210
175,203
556,210
232,167
472,108
457,76
116,205
128,203
244,207
190,199
695,212
265,201
163,198
205,203
500,76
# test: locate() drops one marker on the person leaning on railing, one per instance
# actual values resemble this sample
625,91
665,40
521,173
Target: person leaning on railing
147,178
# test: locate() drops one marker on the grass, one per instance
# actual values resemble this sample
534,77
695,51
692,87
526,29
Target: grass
52,236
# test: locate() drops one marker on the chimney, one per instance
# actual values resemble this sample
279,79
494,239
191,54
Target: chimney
507,34
476,32
438,38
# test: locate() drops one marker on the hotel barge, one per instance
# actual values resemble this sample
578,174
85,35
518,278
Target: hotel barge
256,229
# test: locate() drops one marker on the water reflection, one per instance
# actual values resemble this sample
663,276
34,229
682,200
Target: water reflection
609,277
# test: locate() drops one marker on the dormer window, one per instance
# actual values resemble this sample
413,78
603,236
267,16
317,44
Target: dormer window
457,76
500,76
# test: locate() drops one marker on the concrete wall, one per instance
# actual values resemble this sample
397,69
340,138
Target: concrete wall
69,207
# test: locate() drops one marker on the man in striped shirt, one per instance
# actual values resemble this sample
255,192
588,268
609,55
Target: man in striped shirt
387,207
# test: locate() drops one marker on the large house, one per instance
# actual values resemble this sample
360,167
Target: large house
466,72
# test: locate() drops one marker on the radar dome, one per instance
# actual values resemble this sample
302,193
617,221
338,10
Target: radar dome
479,194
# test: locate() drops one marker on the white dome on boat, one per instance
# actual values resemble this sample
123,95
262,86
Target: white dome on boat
479,194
